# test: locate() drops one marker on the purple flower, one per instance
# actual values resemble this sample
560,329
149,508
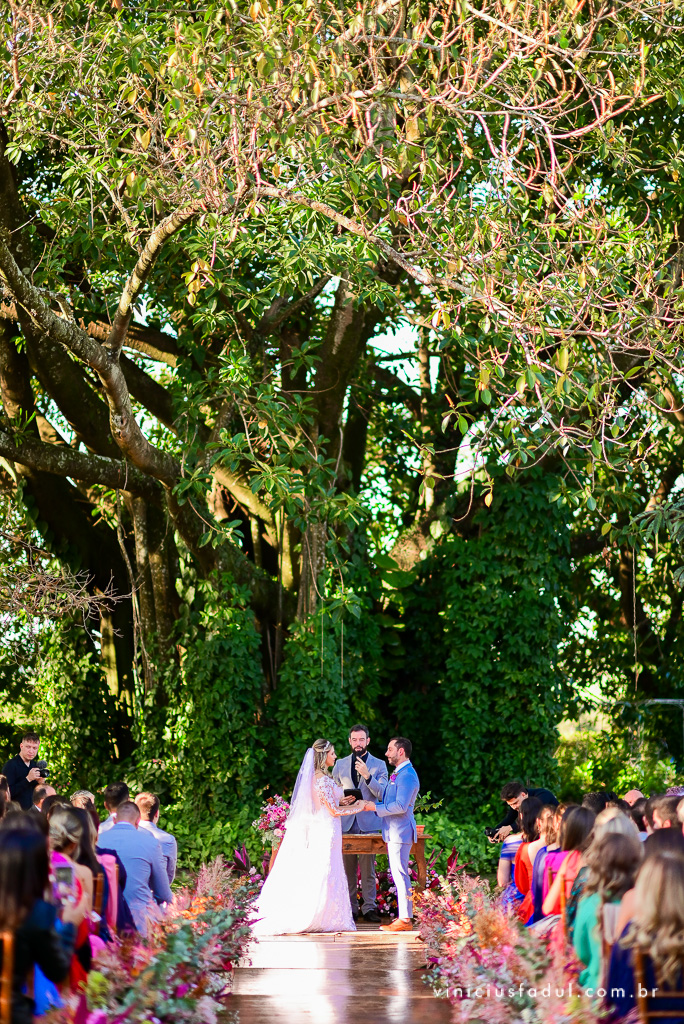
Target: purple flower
393,777
181,990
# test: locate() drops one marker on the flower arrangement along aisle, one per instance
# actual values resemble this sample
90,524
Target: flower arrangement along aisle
182,971
271,822
490,966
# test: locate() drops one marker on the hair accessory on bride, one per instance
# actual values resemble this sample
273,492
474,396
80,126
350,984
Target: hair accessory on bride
321,748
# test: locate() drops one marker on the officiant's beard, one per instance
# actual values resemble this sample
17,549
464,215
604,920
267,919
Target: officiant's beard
359,751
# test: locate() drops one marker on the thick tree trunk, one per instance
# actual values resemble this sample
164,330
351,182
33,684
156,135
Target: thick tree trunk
313,563
116,630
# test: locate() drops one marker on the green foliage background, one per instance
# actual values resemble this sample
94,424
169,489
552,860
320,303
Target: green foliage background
463,659
481,647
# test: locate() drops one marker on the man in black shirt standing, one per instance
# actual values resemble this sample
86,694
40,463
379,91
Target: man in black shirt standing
22,774
514,793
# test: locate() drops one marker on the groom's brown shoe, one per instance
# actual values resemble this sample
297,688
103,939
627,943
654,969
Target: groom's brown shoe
397,926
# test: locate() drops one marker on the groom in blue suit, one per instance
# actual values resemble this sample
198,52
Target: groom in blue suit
398,795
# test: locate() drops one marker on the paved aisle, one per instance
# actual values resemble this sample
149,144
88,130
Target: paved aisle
364,978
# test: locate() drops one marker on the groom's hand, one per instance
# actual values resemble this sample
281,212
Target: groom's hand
362,770
347,800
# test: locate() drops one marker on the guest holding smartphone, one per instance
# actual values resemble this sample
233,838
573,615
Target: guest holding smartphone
24,880
65,833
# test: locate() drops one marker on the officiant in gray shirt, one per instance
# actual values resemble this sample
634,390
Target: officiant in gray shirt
360,770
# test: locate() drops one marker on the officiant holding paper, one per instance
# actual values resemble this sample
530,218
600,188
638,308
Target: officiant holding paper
361,771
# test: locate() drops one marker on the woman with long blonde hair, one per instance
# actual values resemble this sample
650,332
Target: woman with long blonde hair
656,933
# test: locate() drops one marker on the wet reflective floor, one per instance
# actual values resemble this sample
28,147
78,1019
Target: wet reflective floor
367,977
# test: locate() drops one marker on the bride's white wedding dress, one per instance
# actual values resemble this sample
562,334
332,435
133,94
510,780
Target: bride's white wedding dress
307,891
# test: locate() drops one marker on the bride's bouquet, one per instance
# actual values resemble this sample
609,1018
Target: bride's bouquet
271,822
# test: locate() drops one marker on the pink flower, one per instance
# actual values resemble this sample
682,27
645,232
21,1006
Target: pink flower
181,990
393,776
97,1017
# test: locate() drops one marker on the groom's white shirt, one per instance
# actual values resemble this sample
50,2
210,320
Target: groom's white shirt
371,790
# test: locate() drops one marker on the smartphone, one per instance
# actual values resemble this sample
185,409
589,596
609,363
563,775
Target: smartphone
64,887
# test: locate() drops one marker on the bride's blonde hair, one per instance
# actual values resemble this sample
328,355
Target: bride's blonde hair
321,749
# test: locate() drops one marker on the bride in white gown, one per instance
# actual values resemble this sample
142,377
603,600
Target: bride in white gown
306,891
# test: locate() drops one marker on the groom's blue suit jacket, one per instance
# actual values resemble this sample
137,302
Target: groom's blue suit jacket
398,796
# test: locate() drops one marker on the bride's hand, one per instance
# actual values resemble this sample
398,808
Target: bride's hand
368,805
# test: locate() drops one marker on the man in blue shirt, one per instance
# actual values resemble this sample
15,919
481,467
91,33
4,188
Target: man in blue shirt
147,884
115,794
148,805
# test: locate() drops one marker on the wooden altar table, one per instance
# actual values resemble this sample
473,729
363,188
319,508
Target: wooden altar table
372,842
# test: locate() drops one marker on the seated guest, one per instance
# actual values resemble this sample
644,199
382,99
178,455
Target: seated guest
648,815
147,883
22,773
664,840
511,896
613,862
637,814
611,820
24,880
664,811
148,805
574,838
114,795
656,931
596,802
64,836
632,797
52,802
513,793
546,843
4,788
87,858
530,809
12,815
81,798
39,795
555,857
84,799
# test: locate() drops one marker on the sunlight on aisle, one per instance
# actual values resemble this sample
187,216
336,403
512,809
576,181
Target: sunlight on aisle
340,979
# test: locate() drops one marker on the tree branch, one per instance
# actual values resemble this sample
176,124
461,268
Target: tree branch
403,391
281,309
142,270
422,276
239,488
153,343
82,466
393,255
125,430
